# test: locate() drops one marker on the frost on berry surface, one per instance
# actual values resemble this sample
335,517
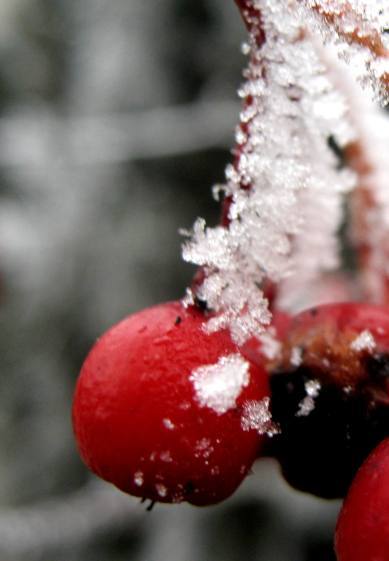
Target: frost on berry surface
218,386
269,345
364,342
257,416
285,189
307,405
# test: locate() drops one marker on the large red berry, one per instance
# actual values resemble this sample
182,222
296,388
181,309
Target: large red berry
160,405
330,395
362,532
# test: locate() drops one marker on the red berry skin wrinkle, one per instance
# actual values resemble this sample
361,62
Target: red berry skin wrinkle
362,532
137,419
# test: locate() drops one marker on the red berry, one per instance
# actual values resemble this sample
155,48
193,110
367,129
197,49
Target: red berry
158,407
330,395
362,532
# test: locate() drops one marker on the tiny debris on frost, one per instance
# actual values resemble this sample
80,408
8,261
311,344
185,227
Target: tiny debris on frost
364,342
218,386
312,389
256,416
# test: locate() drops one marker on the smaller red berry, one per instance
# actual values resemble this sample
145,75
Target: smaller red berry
362,532
159,407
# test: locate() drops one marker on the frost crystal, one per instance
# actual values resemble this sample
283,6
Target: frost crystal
203,448
364,342
168,424
218,386
161,490
284,189
256,416
296,356
307,405
166,456
138,479
269,345
357,29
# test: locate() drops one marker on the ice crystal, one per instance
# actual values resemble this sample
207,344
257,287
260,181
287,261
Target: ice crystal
373,132
257,416
269,345
161,489
296,356
168,424
284,188
138,479
358,30
364,342
307,405
203,448
218,386
166,456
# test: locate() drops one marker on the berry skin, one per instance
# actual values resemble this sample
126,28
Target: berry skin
362,532
150,420
330,395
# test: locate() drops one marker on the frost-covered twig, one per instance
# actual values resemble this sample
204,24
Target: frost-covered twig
284,183
359,27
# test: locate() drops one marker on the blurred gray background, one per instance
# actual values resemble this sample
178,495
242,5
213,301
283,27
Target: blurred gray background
116,118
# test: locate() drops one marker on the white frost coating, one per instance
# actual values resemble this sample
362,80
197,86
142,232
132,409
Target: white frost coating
295,187
373,130
218,386
168,424
269,345
203,448
138,479
166,456
366,21
256,416
364,342
307,405
296,356
161,490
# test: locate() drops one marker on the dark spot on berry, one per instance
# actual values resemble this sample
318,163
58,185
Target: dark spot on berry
189,487
178,320
313,312
378,366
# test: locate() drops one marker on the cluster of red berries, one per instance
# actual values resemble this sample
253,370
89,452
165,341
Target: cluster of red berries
166,411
